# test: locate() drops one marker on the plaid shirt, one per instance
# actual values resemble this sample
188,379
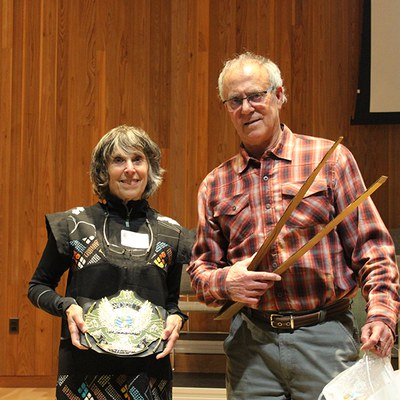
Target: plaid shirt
242,200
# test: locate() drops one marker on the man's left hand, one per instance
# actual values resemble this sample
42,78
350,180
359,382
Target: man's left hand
378,338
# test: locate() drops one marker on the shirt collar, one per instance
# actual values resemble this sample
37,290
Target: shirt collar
283,150
285,145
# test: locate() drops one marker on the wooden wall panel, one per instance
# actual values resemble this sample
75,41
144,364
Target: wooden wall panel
6,61
70,70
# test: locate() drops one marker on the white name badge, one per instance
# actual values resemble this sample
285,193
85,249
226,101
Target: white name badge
134,239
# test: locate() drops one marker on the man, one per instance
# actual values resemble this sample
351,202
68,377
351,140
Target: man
273,352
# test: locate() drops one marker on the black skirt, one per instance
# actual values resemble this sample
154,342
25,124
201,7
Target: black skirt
113,387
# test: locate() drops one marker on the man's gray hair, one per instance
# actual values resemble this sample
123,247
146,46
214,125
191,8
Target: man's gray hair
274,73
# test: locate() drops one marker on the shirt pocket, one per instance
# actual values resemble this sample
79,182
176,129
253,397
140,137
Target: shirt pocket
314,209
234,217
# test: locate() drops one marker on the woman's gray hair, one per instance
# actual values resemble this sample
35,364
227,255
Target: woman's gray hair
273,71
127,139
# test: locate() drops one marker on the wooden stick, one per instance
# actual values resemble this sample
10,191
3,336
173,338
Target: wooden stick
292,205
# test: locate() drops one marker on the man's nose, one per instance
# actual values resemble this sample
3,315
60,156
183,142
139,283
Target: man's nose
246,106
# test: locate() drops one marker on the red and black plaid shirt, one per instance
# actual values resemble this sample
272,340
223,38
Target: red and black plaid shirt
242,200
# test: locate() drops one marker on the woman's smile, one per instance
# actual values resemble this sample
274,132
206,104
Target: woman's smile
128,175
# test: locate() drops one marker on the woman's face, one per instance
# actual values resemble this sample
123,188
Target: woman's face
128,174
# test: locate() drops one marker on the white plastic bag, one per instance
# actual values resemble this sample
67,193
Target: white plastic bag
390,391
364,380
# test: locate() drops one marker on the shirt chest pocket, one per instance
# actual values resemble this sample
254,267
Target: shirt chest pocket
315,207
234,217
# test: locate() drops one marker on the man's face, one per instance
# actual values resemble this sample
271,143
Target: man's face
256,124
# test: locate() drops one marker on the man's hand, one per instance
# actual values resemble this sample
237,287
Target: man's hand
378,338
248,286
171,333
76,324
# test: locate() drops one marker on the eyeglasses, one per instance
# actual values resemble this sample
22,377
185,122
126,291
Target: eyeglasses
122,250
255,98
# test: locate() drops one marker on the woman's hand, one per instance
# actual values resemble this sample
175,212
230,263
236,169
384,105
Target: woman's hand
76,324
171,333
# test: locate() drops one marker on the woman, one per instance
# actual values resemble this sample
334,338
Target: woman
124,262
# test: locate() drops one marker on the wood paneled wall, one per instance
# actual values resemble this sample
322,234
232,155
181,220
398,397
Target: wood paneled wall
70,70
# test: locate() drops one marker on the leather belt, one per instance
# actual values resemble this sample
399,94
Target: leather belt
292,321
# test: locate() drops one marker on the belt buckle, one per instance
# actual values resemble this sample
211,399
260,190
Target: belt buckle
279,325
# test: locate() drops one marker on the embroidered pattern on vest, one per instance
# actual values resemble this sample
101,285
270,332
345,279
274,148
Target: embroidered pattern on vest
163,255
86,250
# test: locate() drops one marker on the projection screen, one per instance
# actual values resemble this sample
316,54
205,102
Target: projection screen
378,94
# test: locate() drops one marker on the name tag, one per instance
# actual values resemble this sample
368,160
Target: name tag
134,239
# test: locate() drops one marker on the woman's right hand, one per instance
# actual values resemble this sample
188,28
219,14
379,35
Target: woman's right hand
76,324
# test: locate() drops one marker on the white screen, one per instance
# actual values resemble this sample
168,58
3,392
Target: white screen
385,56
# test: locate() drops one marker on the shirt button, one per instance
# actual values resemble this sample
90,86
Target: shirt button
274,265
268,206
265,177
234,208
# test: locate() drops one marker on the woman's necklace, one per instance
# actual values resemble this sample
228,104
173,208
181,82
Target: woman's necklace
123,250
